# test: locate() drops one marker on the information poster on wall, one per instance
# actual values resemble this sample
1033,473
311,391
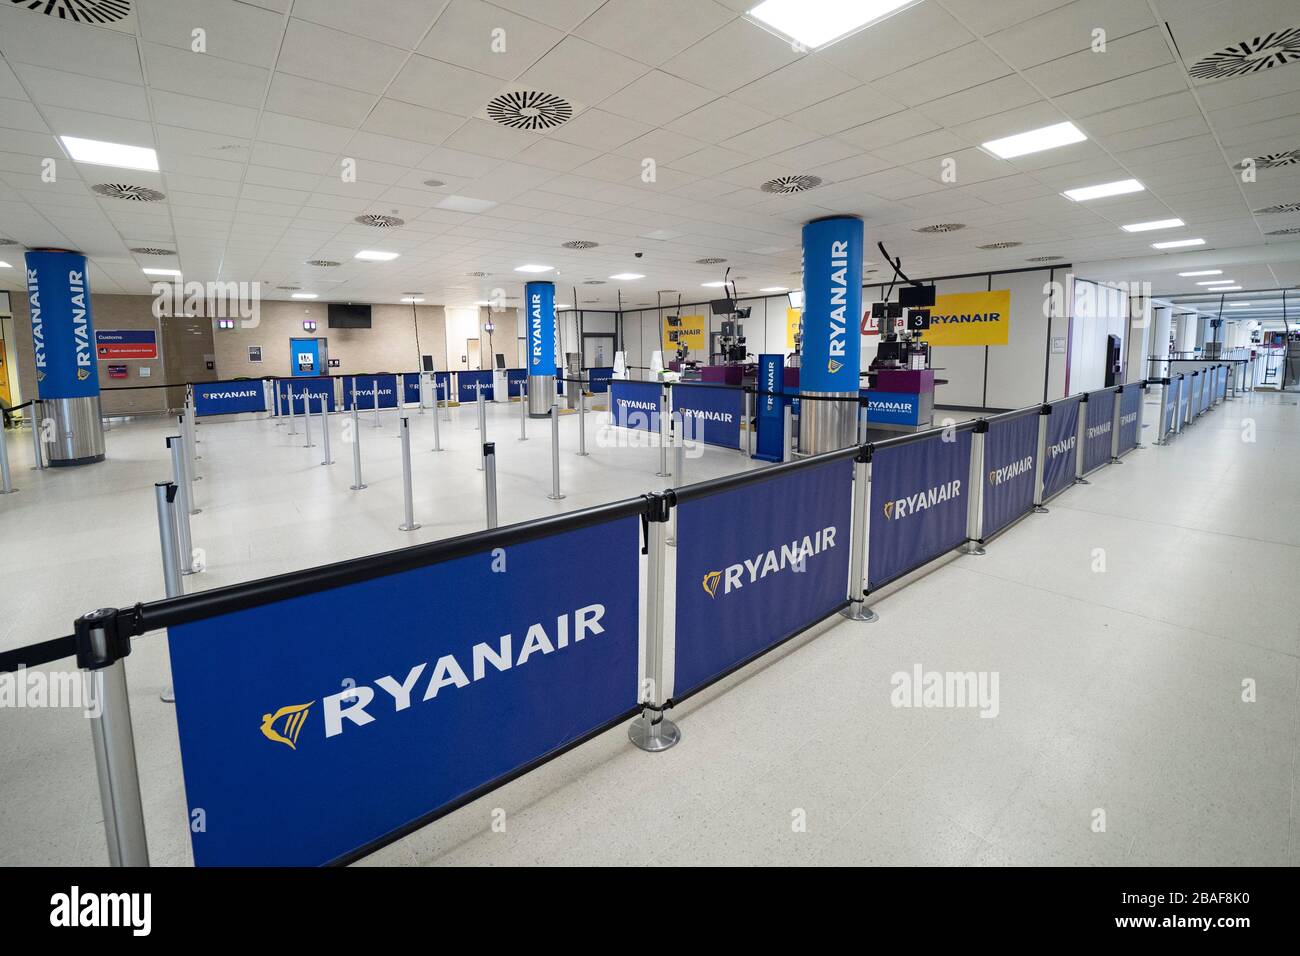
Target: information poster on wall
691,332
793,322
970,318
119,344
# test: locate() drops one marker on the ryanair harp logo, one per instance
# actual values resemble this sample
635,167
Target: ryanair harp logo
833,366
290,720
889,509
710,583
82,374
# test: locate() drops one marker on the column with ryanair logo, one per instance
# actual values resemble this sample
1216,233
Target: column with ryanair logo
63,336
831,359
539,301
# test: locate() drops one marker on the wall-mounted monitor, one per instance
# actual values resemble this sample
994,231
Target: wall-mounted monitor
348,315
723,306
916,296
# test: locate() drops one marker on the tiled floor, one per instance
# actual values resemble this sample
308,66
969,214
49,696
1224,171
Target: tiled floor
1120,690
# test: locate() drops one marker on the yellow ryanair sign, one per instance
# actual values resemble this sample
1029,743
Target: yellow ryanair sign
691,331
793,320
970,318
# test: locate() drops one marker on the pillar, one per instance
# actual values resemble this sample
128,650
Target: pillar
63,342
539,303
832,353
1161,316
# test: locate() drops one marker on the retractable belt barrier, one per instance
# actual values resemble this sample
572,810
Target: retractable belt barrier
447,669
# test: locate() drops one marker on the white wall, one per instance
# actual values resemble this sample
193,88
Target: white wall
1099,311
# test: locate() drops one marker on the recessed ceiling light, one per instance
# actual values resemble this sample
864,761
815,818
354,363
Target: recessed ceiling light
465,204
1117,188
1035,140
1153,224
1202,272
534,268
816,23
1177,243
627,276
561,306
482,302
1228,288
411,299
1218,282
775,288
1235,305
373,255
99,153
303,295
161,272
713,285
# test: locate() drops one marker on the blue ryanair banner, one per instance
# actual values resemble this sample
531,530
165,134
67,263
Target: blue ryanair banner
515,378
598,380
634,404
918,504
1130,410
302,744
710,413
892,408
539,302
307,394
364,387
769,408
469,384
1010,450
229,398
1171,405
63,331
411,388
758,564
1062,439
1097,429
832,284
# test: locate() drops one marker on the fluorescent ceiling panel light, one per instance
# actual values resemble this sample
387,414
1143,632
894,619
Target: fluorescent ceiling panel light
816,23
373,255
561,306
775,288
1035,140
1203,272
1229,288
99,153
1237,305
465,204
5,265
303,295
1178,244
409,300
533,268
1217,282
712,285
627,276
161,272
1117,188
1153,224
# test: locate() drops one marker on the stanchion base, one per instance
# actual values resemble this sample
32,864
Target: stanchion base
1117,461
858,611
1040,510
972,547
1082,481
168,696
663,474
666,734
583,454
556,497
330,462
407,527
357,487
11,491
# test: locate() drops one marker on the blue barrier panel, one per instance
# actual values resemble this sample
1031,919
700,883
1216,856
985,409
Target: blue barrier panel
599,379
229,398
1062,435
1097,429
411,387
1130,408
892,408
364,387
1184,397
463,673
769,409
757,564
1010,447
515,378
710,413
918,504
1171,406
304,388
469,384
635,404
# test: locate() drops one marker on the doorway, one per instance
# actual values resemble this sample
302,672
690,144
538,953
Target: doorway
473,354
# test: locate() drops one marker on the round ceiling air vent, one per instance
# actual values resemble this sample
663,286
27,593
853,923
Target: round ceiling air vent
153,251
289,288
1000,245
380,222
476,275
1044,258
1292,231
125,191
1262,53
942,227
1273,160
323,263
8,242
529,109
434,183
593,282
580,244
791,184
80,11
1280,207
591,302
710,261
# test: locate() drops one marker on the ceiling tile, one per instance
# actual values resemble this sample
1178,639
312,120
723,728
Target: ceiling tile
469,34
331,56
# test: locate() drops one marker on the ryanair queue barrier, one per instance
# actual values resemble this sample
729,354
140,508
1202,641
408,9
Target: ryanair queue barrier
229,397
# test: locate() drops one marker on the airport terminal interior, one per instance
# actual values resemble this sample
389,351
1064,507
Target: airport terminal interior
650,432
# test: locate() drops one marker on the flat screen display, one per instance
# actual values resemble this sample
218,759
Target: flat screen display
347,315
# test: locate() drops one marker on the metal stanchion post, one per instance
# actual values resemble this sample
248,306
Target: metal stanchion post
787,432
1161,437
186,421
179,478
857,609
191,501
490,481
6,479
306,420
409,524
38,446
555,454
665,430
1040,459
679,477
278,392
1114,426
375,385
652,731
437,427
1080,435
974,543
100,651
1178,404
582,419
325,430
523,410
357,483
1142,414
750,401
168,535
293,423
481,427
